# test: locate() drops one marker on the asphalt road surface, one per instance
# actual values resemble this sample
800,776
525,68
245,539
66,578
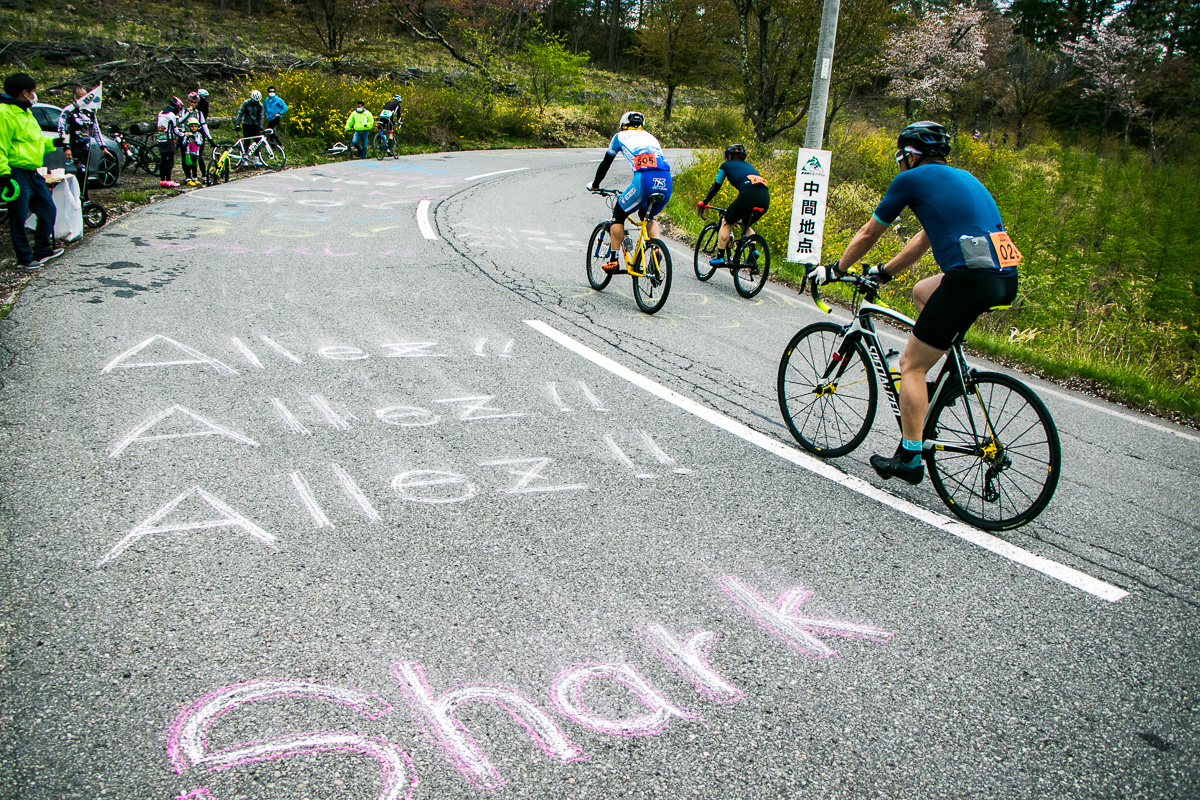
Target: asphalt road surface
342,483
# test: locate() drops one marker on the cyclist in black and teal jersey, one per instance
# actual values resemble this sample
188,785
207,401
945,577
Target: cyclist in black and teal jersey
753,200
961,223
389,118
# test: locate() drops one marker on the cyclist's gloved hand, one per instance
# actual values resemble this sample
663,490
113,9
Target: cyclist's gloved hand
701,207
589,187
9,188
824,273
877,274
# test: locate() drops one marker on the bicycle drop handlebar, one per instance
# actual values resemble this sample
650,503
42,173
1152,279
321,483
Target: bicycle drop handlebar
861,283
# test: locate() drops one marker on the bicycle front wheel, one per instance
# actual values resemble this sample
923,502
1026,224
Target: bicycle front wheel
597,256
650,289
272,156
827,390
751,265
706,248
996,455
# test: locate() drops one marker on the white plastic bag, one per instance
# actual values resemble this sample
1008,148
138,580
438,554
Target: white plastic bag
68,224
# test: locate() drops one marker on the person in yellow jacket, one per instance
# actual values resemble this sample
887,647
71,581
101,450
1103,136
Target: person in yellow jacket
360,122
22,148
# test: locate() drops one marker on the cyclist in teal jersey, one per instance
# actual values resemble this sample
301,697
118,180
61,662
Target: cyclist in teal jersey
961,223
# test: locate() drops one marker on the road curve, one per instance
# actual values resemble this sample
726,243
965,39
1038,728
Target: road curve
342,483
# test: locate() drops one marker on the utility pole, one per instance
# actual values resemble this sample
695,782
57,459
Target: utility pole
814,133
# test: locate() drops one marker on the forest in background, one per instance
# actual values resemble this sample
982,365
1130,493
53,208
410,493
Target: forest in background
1081,116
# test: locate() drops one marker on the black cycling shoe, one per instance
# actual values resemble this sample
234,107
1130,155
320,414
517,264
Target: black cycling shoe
888,468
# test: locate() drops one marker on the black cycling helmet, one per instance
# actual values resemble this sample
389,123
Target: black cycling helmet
735,151
927,138
632,119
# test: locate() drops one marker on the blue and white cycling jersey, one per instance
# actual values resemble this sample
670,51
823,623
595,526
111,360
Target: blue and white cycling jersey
640,149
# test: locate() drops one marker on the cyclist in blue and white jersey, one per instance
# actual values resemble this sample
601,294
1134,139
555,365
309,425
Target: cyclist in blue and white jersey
961,223
651,175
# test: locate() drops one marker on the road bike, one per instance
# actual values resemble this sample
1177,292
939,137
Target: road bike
381,145
750,263
251,151
648,262
135,157
219,161
990,445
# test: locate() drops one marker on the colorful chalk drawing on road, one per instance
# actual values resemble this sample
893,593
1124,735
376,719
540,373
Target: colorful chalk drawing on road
568,694
187,743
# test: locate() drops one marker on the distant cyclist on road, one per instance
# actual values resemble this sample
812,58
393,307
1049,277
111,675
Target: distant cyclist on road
961,223
389,119
753,200
651,175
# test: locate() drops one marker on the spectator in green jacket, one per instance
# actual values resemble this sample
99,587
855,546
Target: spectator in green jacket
360,122
22,148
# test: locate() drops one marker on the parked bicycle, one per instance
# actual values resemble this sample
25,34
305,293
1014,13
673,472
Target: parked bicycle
991,447
649,262
217,170
751,261
255,151
139,154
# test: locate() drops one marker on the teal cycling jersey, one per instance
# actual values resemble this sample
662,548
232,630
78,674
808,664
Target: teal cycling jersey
956,211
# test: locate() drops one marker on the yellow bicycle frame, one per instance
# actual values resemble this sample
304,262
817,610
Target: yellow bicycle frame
637,259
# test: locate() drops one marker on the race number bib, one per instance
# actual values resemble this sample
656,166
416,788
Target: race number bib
645,161
1006,251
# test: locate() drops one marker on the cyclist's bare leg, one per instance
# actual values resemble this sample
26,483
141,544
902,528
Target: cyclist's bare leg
918,358
616,235
924,290
652,229
723,235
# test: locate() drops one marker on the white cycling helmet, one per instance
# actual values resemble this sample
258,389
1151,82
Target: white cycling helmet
202,92
398,98
632,119
256,95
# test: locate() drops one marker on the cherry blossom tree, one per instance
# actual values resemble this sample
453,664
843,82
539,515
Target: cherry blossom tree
931,64
1110,58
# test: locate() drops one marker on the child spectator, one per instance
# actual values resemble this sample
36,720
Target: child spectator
192,141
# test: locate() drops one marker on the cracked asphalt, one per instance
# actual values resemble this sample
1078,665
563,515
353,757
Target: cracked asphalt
297,504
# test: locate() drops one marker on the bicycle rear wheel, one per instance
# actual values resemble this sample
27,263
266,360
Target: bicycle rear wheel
752,264
828,404
996,458
379,146
706,248
597,256
651,289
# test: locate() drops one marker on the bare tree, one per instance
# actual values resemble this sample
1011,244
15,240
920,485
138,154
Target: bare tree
1034,77
326,23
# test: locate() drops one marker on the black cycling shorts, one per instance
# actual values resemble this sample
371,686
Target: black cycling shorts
754,196
958,301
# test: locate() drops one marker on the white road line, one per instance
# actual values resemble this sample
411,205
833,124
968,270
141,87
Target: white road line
1053,569
423,220
490,174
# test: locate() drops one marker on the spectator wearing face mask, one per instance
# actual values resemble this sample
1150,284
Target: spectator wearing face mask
274,107
360,123
22,148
